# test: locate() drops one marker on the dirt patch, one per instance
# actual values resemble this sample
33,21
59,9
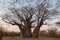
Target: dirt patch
18,38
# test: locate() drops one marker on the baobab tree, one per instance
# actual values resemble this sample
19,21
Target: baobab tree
26,17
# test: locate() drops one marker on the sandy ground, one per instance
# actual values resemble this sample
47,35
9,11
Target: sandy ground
18,38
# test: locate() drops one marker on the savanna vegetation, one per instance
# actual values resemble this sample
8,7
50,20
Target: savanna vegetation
28,17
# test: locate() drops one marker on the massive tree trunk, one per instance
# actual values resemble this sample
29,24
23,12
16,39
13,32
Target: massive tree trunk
26,33
26,30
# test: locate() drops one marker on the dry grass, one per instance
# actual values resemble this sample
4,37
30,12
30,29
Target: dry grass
18,38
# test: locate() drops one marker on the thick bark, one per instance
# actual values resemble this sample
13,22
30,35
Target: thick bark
36,30
26,33
26,29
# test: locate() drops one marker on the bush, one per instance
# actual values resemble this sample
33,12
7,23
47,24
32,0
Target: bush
58,35
1,32
52,32
11,34
42,33
6,33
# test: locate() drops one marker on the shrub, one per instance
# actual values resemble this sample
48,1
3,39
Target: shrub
42,33
11,34
1,32
6,33
52,32
58,35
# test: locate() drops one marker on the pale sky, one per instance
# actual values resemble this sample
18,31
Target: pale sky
4,5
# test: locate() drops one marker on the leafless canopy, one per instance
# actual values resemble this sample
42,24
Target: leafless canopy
27,17
27,13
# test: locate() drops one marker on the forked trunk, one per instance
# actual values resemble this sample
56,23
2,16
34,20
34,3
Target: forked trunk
36,30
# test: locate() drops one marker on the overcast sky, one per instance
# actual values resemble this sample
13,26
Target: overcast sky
5,3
